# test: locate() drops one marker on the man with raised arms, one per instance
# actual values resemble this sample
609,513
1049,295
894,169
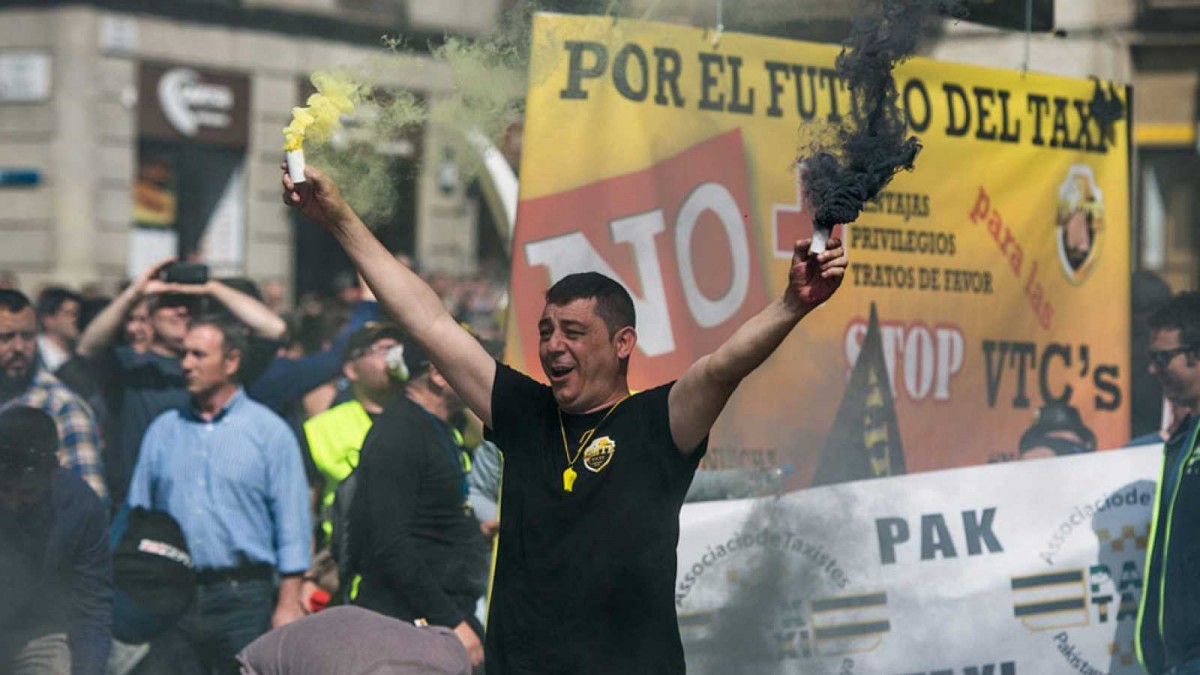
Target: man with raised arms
594,477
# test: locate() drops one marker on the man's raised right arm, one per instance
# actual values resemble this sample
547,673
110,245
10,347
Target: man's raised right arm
403,295
103,330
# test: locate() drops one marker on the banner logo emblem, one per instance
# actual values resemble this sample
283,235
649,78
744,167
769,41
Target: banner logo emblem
1079,223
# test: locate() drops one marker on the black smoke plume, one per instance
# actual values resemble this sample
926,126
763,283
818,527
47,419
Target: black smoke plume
869,150
1107,108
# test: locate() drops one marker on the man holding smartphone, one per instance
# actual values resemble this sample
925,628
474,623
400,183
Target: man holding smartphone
140,385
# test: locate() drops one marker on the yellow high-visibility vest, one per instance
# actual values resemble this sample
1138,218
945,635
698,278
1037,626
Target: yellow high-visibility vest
335,438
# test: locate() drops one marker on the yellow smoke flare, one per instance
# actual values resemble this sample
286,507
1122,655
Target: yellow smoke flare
336,96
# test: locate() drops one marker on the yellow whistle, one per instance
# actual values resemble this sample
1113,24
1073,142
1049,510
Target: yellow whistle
569,477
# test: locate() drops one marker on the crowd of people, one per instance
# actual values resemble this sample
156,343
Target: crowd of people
190,476
211,405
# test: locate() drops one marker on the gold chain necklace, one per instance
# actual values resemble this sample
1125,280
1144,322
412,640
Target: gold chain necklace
569,475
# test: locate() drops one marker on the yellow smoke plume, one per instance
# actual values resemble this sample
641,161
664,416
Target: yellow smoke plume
336,96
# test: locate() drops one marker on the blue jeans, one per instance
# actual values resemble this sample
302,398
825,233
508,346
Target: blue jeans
225,617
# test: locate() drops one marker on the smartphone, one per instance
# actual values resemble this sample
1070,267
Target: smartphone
185,273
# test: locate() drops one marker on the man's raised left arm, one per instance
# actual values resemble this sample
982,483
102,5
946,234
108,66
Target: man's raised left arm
700,395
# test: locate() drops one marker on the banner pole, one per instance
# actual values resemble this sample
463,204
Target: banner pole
720,24
1028,32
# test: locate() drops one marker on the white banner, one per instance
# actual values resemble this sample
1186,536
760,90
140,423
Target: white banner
1024,568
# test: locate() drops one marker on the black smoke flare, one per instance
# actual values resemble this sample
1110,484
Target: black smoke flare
1107,108
874,145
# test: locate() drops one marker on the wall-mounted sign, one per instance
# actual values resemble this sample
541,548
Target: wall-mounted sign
24,77
180,102
20,177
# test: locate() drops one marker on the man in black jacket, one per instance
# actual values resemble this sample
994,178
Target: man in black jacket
1168,623
413,539
56,616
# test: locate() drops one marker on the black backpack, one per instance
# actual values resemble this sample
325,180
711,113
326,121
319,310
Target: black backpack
153,575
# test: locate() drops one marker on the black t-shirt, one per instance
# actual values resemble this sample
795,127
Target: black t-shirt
584,580
420,552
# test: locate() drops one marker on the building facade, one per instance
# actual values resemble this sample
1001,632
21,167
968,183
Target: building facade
134,130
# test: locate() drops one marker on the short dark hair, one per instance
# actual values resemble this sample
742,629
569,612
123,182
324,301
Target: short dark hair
234,335
13,301
1181,313
51,299
313,332
28,441
613,303
244,285
90,308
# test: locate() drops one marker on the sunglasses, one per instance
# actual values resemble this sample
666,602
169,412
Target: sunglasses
1161,358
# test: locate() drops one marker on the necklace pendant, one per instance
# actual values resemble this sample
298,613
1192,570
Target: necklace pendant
569,477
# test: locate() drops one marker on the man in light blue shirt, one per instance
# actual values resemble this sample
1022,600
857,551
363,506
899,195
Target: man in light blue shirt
230,471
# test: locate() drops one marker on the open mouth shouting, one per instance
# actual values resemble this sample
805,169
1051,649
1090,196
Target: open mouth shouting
558,372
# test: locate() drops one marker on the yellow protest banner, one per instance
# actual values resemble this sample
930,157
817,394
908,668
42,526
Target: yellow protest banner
999,268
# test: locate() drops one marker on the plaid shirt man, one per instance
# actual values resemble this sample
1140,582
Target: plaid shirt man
79,441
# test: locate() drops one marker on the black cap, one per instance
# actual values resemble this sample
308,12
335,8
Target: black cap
1057,416
153,575
368,334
